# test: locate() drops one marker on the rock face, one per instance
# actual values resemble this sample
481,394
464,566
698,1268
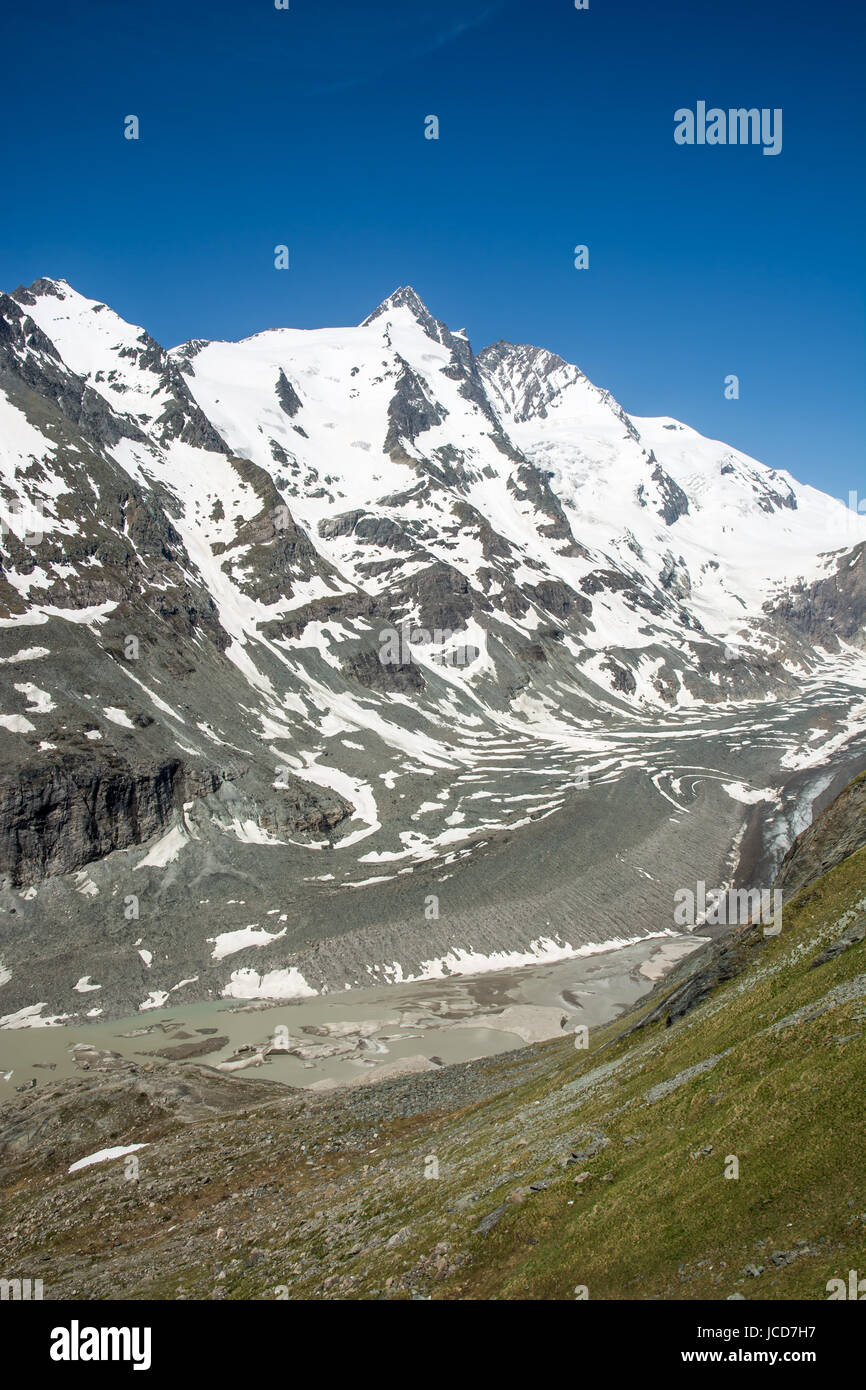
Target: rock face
57,815
703,972
829,611
843,943
838,832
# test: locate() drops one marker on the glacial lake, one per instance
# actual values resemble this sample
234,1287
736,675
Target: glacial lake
354,1036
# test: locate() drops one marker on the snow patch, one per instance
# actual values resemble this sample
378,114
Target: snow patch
103,1155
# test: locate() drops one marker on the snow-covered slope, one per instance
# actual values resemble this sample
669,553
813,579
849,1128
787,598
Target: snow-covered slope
270,593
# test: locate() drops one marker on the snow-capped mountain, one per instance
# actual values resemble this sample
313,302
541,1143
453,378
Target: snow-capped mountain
262,594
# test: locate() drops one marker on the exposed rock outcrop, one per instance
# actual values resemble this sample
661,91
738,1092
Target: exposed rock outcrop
839,831
58,813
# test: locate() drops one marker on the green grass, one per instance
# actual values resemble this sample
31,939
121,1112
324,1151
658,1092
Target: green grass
788,1105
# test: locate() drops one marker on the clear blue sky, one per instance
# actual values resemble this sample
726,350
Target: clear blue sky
306,127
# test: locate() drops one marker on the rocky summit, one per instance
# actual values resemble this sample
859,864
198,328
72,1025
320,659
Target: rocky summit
338,657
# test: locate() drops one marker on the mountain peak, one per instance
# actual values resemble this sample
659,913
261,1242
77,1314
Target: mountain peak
403,298
44,285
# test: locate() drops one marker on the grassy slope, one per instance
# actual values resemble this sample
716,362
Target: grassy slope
651,1220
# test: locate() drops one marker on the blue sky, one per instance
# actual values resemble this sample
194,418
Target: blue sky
306,127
